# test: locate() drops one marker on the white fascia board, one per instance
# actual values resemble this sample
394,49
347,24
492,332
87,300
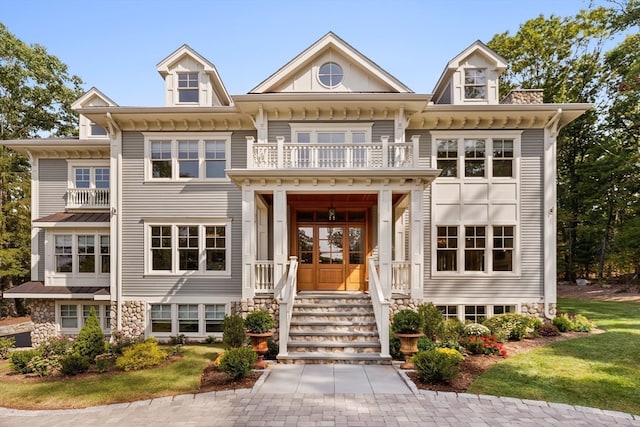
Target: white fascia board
47,224
59,296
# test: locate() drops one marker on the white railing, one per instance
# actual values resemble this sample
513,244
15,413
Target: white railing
263,277
367,155
87,198
401,277
380,308
285,293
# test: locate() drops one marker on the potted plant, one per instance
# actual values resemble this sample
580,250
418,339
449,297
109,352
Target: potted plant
259,324
407,326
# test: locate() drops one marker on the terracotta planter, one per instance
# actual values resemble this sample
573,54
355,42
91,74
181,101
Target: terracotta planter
259,344
408,347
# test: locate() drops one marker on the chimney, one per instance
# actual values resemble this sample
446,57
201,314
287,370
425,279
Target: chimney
524,96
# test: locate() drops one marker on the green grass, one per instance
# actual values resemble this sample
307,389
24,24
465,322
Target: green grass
599,370
182,376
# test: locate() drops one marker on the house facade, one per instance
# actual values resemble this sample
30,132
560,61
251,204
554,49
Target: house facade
330,177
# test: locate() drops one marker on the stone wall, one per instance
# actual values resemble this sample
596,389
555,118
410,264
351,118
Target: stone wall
133,318
536,309
398,304
43,316
268,304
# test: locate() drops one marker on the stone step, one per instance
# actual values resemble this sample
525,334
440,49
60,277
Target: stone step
335,329
317,357
342,308
331,318
332,336
334,346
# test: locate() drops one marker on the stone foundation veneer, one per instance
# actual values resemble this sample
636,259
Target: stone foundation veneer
268,304
43,316
133,318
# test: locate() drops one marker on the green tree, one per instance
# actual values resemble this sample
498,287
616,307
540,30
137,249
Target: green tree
36,92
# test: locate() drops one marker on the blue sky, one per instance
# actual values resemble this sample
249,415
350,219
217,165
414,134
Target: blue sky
115,45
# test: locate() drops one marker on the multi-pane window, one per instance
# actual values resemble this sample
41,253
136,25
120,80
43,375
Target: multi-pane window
191,244
447,249
188,87
475,241
161,159
74,316
449,311
502,309
68,316
188,318
215,159
86,254
330,74
215,247
502,158
475,83
503,248
448,157
161,318
475,313
474,156
105,256
83,177
213,317
188,247
188,163
64,253
102,177
161,248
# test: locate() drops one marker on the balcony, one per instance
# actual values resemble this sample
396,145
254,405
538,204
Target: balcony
367,155
87,198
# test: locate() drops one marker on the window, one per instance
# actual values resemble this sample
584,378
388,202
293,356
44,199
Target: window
104,316
449,311
475,83
213,317
91,177
105,257
447,249
503,248
330,74
474,154
474,313
503,158
188,87
96,130
161,318
192,243
187,156
448,157
188,318
75,256
86,254
474,245
64,253
68,316
72,317
502,309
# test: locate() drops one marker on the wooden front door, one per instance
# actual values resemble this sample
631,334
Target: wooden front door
331,256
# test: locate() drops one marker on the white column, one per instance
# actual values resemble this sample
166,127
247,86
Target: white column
550,211
415,140
250,155
399,234
35,212
385,236
280,236
416,233
248,241
385,151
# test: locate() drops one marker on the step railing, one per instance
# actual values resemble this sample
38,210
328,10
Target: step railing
285,294
263,277
380,308
401,277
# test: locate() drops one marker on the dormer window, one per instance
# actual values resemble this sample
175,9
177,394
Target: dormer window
97,130
188,87
475,83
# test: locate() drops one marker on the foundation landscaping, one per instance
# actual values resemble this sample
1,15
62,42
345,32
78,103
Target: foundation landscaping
564,361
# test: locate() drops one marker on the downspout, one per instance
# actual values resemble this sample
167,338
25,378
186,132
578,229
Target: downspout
115,135
550,213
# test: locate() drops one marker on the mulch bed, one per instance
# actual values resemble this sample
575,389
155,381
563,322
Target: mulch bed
214,380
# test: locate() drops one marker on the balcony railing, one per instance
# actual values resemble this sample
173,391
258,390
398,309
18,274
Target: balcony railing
367,155
88,198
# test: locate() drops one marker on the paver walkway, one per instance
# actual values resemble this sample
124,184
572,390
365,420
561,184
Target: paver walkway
303,397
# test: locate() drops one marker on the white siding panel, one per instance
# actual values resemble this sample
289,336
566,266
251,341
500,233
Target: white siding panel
53,181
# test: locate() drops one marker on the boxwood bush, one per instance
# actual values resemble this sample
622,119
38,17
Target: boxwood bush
237,362
438,365
142,355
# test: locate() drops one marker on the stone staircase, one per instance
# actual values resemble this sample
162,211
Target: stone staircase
333,327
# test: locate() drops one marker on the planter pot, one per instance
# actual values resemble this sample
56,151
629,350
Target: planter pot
408,347
259,344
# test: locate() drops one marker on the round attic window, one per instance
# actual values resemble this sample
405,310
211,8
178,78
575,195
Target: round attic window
330,74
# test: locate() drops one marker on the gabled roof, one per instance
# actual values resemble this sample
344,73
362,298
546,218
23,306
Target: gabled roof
329,41
476,47
164,68
89,95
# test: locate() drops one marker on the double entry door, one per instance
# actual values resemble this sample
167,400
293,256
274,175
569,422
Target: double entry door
331,256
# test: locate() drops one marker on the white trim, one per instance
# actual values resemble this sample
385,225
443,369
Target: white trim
173,138
94,164
103,314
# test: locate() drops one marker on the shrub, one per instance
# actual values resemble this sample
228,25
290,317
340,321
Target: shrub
179,339
437,365
90,341
548,330
104,362
582,324
394,346
237,362
453,330
563,323
476,330
20,360
120,341
272,350
511,326
424,343
407,322
210,339
145,354
74,363
259,322
6,344
433,321
233,333
484,345
55,347
42,366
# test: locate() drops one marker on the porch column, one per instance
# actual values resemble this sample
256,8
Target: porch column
385,237
280,236
417,243
248,241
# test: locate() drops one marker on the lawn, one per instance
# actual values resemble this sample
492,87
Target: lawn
179,377
599,370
